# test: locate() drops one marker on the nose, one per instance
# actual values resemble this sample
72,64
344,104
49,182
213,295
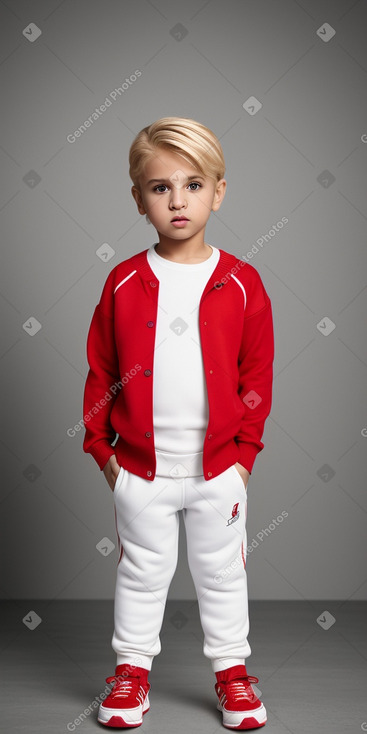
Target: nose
177,197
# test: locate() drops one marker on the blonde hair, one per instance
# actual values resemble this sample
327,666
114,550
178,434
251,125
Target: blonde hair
182,135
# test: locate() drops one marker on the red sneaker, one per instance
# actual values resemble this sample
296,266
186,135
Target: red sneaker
128,700
238,702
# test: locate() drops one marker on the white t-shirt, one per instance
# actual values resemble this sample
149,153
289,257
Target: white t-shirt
180,401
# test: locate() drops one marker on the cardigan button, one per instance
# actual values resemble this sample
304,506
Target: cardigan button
149,473
148,434
150,323
210,474
147,373
153,283
210,435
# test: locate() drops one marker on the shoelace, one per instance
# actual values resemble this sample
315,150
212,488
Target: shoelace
241,688
122,688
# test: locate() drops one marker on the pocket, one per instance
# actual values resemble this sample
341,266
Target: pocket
234,469
119,480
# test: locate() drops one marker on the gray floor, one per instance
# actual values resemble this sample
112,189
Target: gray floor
312,676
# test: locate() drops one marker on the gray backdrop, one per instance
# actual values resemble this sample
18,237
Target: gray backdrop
283,85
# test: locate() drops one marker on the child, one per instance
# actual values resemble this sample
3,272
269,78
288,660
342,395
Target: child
181,352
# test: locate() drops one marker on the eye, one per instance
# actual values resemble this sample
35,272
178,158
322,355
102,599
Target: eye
160,186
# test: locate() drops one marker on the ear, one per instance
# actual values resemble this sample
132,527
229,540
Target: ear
220,190
139,201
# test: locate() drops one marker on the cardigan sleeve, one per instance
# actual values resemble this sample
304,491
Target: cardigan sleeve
102,383
255,372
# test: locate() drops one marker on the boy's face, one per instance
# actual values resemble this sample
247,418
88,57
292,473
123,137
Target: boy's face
171,186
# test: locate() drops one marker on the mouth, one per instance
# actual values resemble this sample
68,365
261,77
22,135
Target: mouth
179,219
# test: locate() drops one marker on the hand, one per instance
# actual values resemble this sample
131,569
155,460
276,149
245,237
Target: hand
243,472
111,470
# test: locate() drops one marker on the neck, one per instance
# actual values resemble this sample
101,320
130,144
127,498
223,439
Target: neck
183,253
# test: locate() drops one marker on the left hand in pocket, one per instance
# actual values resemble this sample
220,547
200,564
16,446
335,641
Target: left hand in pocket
243,472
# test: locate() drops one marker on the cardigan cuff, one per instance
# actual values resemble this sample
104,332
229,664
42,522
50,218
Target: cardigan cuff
247,455
101,451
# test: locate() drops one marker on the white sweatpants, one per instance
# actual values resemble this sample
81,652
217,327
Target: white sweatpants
147,523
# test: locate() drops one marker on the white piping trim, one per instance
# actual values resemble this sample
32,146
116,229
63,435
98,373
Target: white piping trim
241,286
124,280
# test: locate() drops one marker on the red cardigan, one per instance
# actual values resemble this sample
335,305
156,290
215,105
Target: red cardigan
237,340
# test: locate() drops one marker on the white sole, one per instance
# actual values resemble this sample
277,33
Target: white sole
131,717
233,719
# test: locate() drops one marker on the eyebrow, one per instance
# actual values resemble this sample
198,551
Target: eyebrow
164,180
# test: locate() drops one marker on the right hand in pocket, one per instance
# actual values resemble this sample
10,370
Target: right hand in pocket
111,470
